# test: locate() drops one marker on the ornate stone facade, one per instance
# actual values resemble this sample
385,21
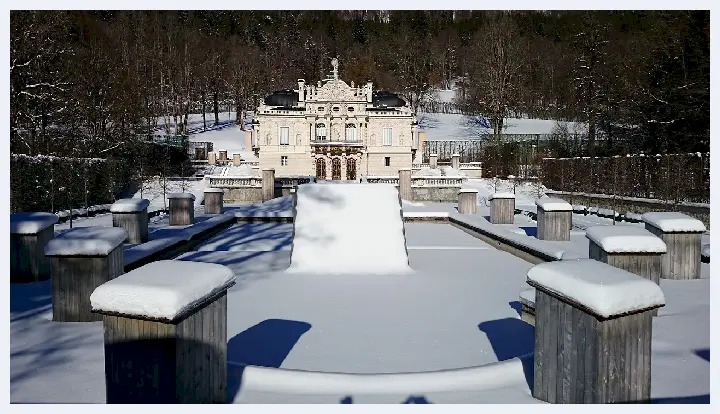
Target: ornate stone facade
334,128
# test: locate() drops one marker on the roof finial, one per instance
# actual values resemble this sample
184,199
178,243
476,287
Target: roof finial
335,64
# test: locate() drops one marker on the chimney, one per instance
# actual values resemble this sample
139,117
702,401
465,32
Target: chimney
369,92
301,90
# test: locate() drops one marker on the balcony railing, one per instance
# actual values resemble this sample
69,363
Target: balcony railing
356,143
442,181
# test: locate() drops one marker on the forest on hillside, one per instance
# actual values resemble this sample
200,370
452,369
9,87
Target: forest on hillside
88,83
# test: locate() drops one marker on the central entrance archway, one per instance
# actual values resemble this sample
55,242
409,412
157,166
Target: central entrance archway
336,169
351,167
320,171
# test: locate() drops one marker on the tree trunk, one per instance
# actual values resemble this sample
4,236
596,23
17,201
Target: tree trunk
216,109
202,97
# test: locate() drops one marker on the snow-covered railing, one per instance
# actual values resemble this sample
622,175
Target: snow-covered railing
420,166
293,181
442,181
470,165
383,179
249,164
234,182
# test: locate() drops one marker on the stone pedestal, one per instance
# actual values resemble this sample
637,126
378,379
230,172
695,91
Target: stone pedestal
268,184
593,333
236,160
223,156
405,183
131,214
212,158
29,234
467,201
456,161
433,161
82,259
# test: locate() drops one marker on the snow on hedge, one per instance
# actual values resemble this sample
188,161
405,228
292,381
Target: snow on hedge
625,239
86,241
161,290
130,205
673,222
31,223
501,195
604,289
348,229
553,204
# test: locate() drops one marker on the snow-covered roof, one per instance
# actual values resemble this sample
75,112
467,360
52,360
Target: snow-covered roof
553,204
86,241
162,290
625,239
673,222
129,205
501,195
31,223
605,290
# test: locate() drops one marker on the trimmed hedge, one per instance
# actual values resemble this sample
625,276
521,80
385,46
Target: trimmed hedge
48,183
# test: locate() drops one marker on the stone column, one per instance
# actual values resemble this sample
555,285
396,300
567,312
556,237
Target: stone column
223,156
433,161
236,160
182,209
593,333
405,182
456,161
212,158
214,200
467,201
268,184
502,208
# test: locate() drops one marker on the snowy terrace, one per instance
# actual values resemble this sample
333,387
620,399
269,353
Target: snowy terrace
443,326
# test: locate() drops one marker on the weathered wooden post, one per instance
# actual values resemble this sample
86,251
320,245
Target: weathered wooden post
682,235
29,234
223,156
554,219
593,331
182,209
629,248
166,333
82,259
268,184
527,305
456,161
236,160
467,201
405,183
214,200
132,215
433,161
502,208
212,158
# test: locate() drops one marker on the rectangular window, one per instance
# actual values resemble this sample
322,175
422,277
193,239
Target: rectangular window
284,135
387,136
350,134
387,161
320,132
283,160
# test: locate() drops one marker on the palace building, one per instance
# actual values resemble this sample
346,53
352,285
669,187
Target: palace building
334,131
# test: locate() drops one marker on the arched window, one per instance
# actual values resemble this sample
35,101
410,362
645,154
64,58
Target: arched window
320,132
350,132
